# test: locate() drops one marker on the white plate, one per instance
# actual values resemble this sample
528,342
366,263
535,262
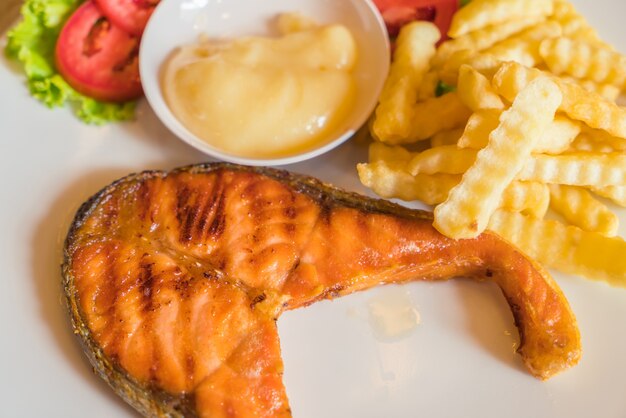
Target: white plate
187,20
458,362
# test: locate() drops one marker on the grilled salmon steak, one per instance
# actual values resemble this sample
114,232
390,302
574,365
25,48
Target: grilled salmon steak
174,281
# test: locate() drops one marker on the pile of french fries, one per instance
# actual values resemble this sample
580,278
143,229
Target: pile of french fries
514,115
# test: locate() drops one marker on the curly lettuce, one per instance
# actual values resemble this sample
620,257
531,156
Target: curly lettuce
32,43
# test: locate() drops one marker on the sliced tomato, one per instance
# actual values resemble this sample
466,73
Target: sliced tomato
130,15
397,13
97,58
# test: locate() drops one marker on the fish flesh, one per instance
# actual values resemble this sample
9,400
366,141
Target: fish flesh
174,281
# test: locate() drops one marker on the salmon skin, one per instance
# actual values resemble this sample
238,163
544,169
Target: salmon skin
174,281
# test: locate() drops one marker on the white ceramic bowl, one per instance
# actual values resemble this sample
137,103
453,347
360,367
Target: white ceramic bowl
179,22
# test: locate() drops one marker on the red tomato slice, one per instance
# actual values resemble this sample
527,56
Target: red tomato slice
130,15
397,13
97,58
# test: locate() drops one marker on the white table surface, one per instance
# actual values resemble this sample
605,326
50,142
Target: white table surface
458,362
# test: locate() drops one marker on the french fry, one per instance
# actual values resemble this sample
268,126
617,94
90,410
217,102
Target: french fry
434,115
478,128
555,139
568,17
593,110
428,86
392,182
584,143
449,72
448,159
512,77
475,90
594,140
467,210
396,157
563,9
486,64
577,103
565,248
589,169
415,47
574,25
558,136
450,137
481,13
608,91
617,194
577,169
581,209
618,144
512,139
584,60
482,38
524,47
590,36
529,197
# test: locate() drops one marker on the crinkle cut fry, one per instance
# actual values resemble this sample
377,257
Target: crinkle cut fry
415,47
566,248
469,205
581,209
478,14
578,103
584,61
389,180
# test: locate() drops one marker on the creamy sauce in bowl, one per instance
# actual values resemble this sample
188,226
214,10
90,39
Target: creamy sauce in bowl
208,28
265,96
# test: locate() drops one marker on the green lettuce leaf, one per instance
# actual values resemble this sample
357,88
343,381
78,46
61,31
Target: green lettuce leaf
32,43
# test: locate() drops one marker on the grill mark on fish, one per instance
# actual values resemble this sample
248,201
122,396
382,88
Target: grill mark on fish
257,210
146,284
184,286
324,213
190,362
290,228
187,329
204,209
111,212
290,211
144,199
112,280
186,231
362,227
109,288
182,209
258,203
218,224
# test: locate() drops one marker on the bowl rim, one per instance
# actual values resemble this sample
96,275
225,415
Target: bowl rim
156,100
